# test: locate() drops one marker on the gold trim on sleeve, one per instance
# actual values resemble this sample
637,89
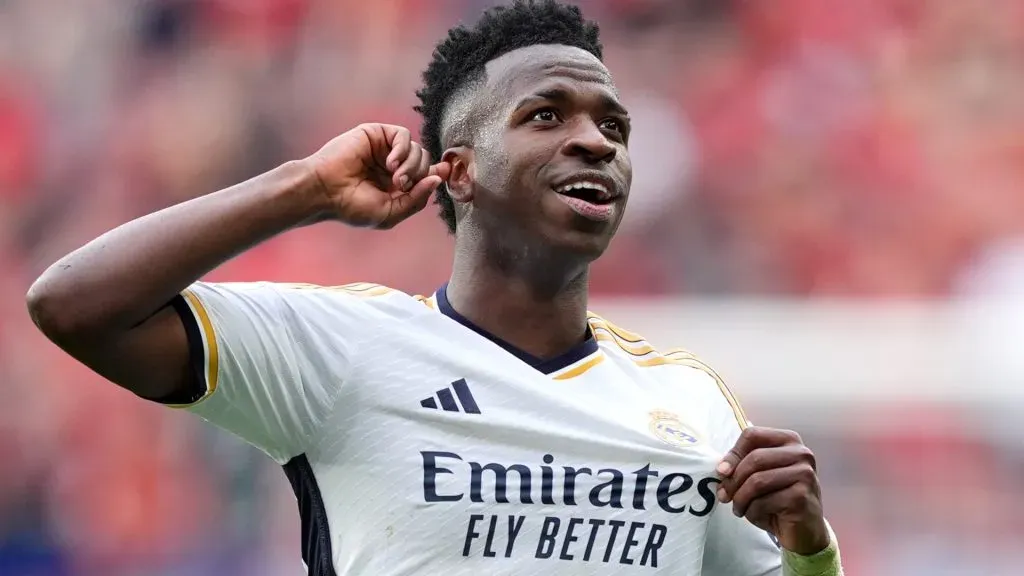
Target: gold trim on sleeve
212,360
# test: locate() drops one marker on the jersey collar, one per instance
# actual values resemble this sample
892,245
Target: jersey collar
546,366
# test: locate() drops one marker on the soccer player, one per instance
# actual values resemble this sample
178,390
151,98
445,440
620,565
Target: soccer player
495,426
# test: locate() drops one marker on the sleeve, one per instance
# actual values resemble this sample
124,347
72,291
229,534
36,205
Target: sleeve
734,546
269,359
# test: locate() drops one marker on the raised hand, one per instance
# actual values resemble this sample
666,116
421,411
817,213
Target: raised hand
375,175
771,479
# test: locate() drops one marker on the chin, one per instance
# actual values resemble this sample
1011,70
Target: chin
584,245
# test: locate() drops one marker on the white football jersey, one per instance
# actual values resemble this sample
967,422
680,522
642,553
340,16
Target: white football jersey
417,443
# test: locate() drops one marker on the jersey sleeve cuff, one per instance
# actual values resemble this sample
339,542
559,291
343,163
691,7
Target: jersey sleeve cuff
202,351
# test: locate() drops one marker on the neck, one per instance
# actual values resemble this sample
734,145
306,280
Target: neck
538,307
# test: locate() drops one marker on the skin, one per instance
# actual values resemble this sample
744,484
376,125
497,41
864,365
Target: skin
521,255
771,479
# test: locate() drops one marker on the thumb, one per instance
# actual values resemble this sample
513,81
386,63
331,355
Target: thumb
442,169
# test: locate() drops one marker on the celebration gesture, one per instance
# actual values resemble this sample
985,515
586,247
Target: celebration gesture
771,479
375,175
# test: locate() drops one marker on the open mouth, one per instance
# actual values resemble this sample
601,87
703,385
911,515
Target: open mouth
591,192
590,199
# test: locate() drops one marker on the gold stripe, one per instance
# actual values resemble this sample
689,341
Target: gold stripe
363,289
299,286
428,302
677,356
371,292
359,287
693,362
212,353
637,351
619,336
626,335
606,331
597,359
656,361
737,410
355,289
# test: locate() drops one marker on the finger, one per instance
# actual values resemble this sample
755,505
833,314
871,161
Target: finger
442,169
422,200
421,170
424,168
400,144
761,459
750,439
405,176
767,482
798,498
380,138
405,204
762,511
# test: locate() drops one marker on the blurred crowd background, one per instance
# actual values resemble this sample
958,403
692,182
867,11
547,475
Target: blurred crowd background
793,153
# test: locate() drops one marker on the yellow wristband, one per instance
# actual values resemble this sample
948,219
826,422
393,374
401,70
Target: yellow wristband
824,563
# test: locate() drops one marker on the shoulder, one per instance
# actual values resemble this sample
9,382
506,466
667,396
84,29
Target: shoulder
300,289
308,297
677,364
352,308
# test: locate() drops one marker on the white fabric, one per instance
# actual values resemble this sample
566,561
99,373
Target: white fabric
620,447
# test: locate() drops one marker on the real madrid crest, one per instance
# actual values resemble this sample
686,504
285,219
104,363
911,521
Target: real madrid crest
671,430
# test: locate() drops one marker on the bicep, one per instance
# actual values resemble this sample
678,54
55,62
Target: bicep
151,360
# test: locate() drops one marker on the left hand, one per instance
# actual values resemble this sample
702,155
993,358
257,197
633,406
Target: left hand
771,479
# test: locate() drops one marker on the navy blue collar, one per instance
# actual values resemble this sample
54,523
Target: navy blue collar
573,355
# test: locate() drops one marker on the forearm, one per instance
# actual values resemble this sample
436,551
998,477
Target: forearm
121,278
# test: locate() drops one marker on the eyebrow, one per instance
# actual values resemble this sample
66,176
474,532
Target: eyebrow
563,95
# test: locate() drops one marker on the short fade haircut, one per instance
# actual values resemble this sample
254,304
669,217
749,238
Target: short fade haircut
460,59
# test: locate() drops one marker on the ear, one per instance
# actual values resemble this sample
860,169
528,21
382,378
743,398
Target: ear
460,181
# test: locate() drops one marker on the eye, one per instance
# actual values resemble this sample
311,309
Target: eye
545,115
614,125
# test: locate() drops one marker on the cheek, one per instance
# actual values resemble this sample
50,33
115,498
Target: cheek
625,166
492,172
512,172
527,162
626,169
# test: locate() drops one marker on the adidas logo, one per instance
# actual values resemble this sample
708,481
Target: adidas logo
447,400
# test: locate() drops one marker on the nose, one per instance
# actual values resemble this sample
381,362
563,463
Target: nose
589,143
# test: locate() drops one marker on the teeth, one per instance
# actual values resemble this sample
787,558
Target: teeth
602,190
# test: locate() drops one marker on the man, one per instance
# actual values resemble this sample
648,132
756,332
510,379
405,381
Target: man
495,427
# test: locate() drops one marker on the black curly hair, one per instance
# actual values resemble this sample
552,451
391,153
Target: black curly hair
459,61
